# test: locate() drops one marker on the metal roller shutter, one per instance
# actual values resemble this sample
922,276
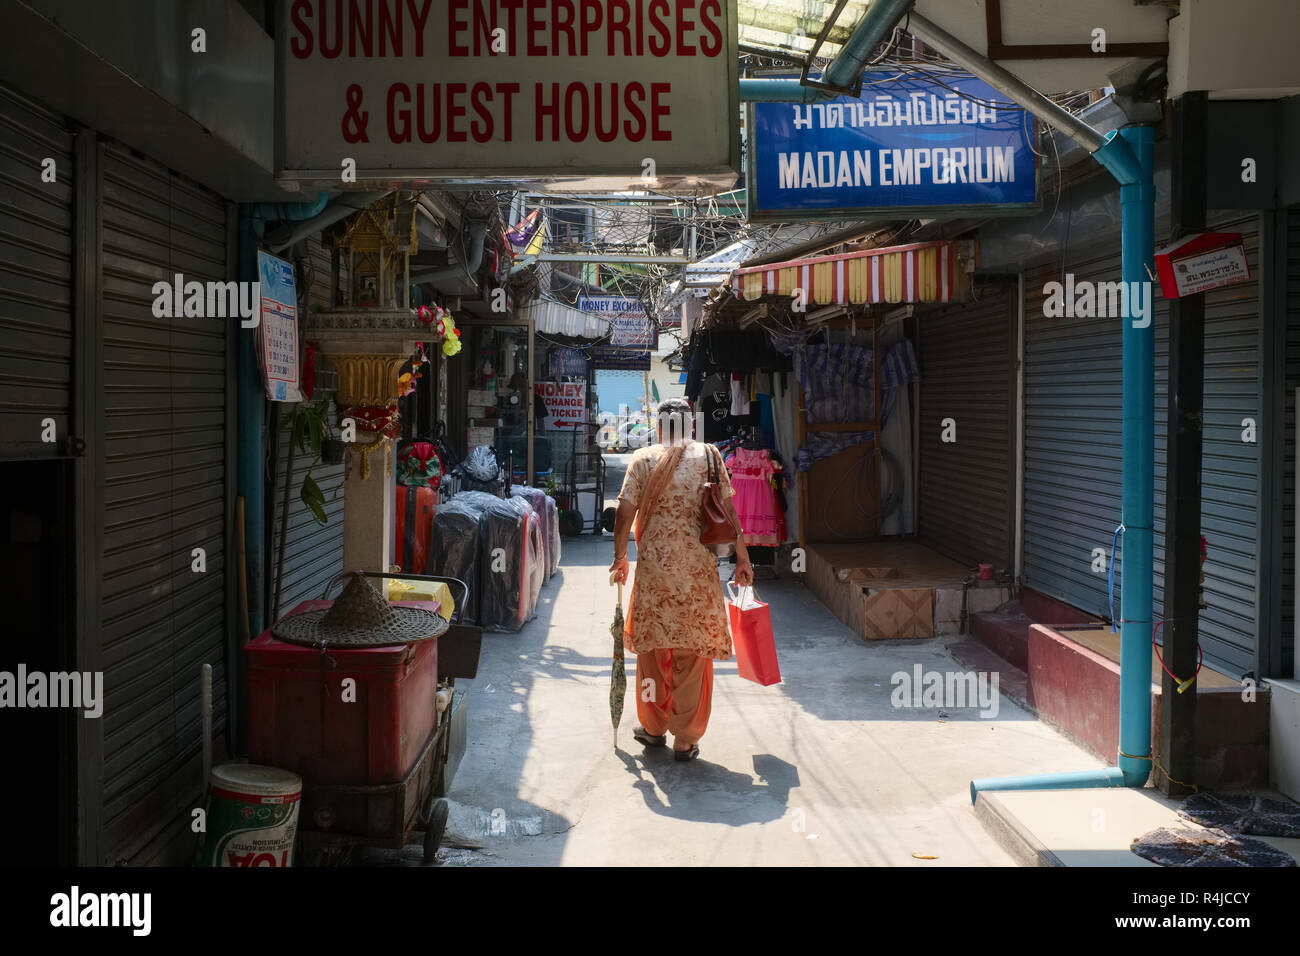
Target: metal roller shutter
1073,451
313,552
1230,466
36,263
967,359
1292,383
165,411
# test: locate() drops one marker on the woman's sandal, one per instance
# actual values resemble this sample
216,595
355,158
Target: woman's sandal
649,739
685,755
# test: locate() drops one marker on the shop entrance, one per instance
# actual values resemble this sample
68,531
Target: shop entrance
500,405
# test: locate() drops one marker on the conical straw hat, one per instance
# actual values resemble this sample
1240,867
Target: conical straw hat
360,617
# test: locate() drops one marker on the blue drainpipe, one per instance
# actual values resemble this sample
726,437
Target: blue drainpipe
847,65
1128,156
251,482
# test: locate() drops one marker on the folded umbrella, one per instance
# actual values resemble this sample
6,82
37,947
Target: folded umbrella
618,674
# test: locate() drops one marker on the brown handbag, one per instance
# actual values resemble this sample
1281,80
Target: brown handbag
716,524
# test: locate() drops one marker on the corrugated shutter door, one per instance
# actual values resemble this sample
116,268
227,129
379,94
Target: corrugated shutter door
164,410
1073,451
1230,466
313,552
967,359
35,277
1289,485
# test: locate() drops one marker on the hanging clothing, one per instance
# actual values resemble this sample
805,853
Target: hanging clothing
729,350
739,396
752,474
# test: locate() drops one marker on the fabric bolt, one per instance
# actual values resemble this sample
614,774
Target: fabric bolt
676,600
761,520
679,686
838,382
899,367
819,445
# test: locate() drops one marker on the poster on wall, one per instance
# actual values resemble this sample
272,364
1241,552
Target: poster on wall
566,403
945,145
277,332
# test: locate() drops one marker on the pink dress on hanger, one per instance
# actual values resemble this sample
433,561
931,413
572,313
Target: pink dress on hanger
761,519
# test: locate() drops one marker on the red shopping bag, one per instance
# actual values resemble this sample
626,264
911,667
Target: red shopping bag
751,633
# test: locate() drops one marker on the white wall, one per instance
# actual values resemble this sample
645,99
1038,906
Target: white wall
1244,49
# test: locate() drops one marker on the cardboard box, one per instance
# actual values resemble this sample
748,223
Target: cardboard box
482,396
480,436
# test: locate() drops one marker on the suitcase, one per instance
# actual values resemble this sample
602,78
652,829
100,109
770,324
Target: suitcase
299,719
414,510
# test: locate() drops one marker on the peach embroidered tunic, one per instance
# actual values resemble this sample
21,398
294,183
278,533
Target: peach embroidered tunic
677,599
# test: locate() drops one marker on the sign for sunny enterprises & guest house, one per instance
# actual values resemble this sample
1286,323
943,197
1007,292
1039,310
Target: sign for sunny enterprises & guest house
942,146
591,92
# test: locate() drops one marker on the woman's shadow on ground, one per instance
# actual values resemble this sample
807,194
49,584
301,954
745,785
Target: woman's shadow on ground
706,792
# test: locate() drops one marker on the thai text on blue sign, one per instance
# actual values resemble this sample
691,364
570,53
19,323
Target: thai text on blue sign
912,142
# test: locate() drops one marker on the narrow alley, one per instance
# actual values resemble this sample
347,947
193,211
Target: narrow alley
818,770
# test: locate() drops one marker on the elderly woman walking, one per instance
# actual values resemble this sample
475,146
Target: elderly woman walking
676,617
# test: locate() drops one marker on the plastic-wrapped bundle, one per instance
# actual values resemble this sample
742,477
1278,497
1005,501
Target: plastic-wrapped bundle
534,496
536,562
549,516
512,566
551,535
480,471
455,549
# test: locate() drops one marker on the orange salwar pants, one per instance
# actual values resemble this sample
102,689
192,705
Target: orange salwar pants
674,691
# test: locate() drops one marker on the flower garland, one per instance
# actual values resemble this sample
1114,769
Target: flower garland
406,381
445,325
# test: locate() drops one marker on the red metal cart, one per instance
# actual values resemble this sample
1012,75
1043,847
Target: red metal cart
374,770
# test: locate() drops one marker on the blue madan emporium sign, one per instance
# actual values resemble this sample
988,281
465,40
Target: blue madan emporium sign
941,147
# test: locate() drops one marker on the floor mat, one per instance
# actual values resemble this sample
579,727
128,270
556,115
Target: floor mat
1170,847
1257,816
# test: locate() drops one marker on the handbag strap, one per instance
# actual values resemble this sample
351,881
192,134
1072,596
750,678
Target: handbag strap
655,487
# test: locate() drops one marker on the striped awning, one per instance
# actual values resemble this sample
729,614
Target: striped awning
920,272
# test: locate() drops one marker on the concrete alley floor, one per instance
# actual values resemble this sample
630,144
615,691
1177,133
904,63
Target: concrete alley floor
818,770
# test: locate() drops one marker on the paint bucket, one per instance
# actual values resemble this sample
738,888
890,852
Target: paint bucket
251,818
